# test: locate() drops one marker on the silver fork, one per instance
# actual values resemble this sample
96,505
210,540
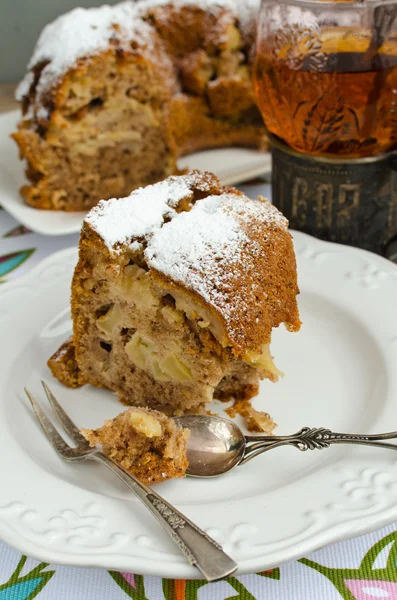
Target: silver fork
199,548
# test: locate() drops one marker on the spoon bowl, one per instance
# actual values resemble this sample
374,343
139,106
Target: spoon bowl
214,446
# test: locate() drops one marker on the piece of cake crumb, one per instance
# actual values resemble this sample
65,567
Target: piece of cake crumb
255,421
145,442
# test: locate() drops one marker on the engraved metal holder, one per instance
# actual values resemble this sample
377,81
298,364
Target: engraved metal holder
348,201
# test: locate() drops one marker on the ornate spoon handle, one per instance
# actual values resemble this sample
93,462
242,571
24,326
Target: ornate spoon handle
313,439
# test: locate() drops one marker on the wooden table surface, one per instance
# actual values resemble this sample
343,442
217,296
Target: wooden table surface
7,100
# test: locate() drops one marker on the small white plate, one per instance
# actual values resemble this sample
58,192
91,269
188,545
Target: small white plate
232,165
340,373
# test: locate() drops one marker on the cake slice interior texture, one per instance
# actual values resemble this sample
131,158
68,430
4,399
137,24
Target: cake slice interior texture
113,95
145,442
175,295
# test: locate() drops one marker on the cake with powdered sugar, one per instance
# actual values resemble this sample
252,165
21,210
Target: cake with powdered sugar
114,95
176,292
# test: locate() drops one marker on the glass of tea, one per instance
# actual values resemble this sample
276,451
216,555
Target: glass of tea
325,79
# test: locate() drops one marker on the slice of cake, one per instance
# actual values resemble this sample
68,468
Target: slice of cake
176,293
145,442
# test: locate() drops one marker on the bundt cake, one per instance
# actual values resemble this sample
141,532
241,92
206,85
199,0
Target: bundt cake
114,95
175,294
145,442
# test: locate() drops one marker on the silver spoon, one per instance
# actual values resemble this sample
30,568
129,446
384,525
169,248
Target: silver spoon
216,445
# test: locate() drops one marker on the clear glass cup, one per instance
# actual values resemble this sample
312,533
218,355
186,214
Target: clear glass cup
325,75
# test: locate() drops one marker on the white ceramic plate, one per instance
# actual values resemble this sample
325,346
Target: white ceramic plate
232,165
340,373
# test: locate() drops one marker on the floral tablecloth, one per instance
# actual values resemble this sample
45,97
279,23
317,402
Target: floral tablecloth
364,568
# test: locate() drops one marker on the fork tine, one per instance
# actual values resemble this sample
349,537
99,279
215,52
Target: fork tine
66,421
56,441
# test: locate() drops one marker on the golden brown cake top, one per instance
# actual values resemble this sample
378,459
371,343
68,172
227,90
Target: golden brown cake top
231,255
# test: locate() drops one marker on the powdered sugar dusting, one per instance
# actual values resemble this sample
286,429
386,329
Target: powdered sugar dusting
248,14
42,113
203,249
24,86
119,221
87,32
184,248
82,32
136,246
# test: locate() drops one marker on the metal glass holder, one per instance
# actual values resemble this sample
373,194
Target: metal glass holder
348,201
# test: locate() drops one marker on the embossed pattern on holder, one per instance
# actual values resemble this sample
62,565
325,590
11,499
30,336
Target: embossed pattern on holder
350,201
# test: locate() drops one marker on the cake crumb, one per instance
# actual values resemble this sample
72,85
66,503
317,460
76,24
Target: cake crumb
255,421
151,458
64,366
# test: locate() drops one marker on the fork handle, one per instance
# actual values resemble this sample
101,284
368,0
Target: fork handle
313,439
198,547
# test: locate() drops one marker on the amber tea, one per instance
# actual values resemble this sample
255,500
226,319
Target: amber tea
340,103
